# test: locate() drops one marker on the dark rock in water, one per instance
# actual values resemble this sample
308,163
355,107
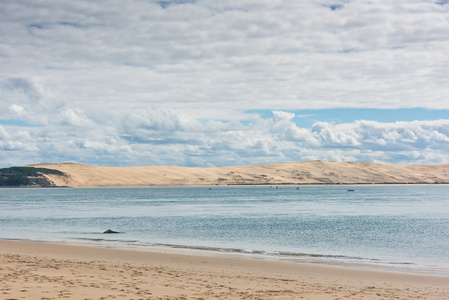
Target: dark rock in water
111,231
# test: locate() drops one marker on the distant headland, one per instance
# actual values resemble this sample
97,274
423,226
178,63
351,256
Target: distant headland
297,173
27,177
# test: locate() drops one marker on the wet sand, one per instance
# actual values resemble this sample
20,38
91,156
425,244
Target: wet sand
54,271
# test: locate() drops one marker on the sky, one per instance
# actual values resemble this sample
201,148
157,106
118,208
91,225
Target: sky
223,82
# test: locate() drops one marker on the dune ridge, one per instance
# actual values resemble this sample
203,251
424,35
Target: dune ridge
297,173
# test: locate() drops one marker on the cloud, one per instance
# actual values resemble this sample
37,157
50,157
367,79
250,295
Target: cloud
16,109
22,86
170,82
161,120
74,118
22,99
15,140
280,55
163,136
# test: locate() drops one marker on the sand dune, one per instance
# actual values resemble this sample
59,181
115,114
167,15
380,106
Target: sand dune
310,172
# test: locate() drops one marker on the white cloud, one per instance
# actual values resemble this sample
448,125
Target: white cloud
278,54
161,120
164,136
180,76
15,140
3,133
75,118
17,110
22,99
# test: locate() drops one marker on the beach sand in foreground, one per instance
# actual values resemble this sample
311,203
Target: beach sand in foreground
54,271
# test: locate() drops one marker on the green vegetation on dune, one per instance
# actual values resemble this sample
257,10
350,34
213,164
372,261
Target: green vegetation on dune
26,176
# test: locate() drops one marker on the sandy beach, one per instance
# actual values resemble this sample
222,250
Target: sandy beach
54,271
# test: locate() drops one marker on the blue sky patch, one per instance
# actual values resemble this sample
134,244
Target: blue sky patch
443,2
165,4
38,26
71,24
13,122
335,6
307,117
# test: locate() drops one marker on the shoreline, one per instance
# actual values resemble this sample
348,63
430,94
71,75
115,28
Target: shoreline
39,270
337,261
362,184
293,173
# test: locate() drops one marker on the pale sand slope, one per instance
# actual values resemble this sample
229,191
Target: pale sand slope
311,172
51,271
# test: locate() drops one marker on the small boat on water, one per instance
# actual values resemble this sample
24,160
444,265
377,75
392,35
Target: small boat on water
351,190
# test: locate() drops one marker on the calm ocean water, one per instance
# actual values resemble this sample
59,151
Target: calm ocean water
387,226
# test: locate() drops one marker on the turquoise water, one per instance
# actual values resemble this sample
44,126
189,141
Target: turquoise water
388,226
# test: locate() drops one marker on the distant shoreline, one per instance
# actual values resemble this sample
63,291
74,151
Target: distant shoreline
236,185
276,174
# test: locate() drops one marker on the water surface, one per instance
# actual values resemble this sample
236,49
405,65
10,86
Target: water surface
394,226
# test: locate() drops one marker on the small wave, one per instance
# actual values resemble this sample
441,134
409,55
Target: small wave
296,256
258,252
272,253
106,240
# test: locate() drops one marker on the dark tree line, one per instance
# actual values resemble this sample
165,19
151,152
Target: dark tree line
26,176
